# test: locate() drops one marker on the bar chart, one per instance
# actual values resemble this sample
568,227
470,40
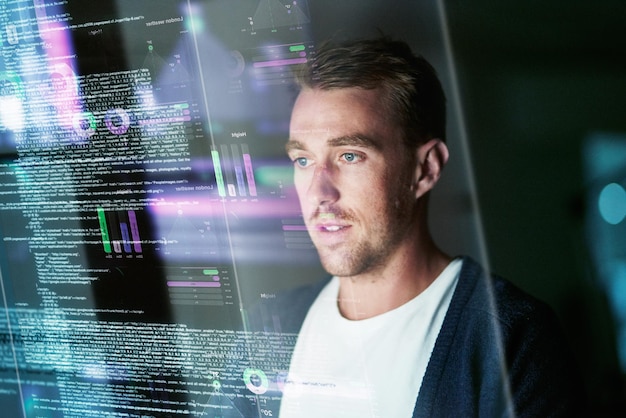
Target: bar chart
198,286
234,173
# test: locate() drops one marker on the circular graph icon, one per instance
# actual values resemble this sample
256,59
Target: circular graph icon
117,121
217,385
64,81
84,124
256,381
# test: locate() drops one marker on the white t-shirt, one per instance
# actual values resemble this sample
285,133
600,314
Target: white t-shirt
367,368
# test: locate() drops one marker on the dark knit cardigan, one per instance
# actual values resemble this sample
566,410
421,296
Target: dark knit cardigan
500,352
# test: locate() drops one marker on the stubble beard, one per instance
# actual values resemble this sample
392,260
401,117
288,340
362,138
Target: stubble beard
371,251
349,261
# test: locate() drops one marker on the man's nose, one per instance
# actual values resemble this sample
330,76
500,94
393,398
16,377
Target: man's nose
322,189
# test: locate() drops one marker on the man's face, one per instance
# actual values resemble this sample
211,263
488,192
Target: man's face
353,175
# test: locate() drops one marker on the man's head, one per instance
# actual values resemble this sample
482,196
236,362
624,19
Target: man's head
410,89
364,159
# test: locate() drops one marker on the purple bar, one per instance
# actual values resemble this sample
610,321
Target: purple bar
193,284
278,63
125,237
247,162
240,184
134,230
294,228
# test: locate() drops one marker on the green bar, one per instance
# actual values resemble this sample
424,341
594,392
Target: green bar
218,173
181,105
296,48
210,272
106,242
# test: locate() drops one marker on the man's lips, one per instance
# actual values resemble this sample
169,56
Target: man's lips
330,227
329,222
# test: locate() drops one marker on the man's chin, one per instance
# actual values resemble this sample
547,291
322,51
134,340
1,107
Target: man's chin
339,260
340,267
334,267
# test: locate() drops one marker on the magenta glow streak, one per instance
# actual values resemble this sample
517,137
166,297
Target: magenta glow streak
294,228
207,207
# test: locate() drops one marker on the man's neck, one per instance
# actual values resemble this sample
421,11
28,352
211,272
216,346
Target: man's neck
384,289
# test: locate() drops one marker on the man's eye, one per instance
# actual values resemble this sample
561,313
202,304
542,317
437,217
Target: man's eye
301,162
350,157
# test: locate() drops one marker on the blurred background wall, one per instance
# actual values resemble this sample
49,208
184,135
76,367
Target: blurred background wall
543,90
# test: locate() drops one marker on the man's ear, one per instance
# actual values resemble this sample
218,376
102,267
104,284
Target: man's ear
432,156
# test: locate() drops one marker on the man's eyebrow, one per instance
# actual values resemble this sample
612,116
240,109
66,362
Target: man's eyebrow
293,145
341,141
354,140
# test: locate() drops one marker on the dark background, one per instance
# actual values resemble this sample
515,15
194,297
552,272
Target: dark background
536,79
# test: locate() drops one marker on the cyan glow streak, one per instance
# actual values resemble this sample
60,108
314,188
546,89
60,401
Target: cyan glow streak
616,291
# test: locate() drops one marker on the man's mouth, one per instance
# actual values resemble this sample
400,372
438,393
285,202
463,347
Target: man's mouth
330,222
331,228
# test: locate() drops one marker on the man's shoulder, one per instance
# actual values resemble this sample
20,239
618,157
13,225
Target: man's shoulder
483,293
502,346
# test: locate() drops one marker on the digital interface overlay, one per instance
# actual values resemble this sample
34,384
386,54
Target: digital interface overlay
142,171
